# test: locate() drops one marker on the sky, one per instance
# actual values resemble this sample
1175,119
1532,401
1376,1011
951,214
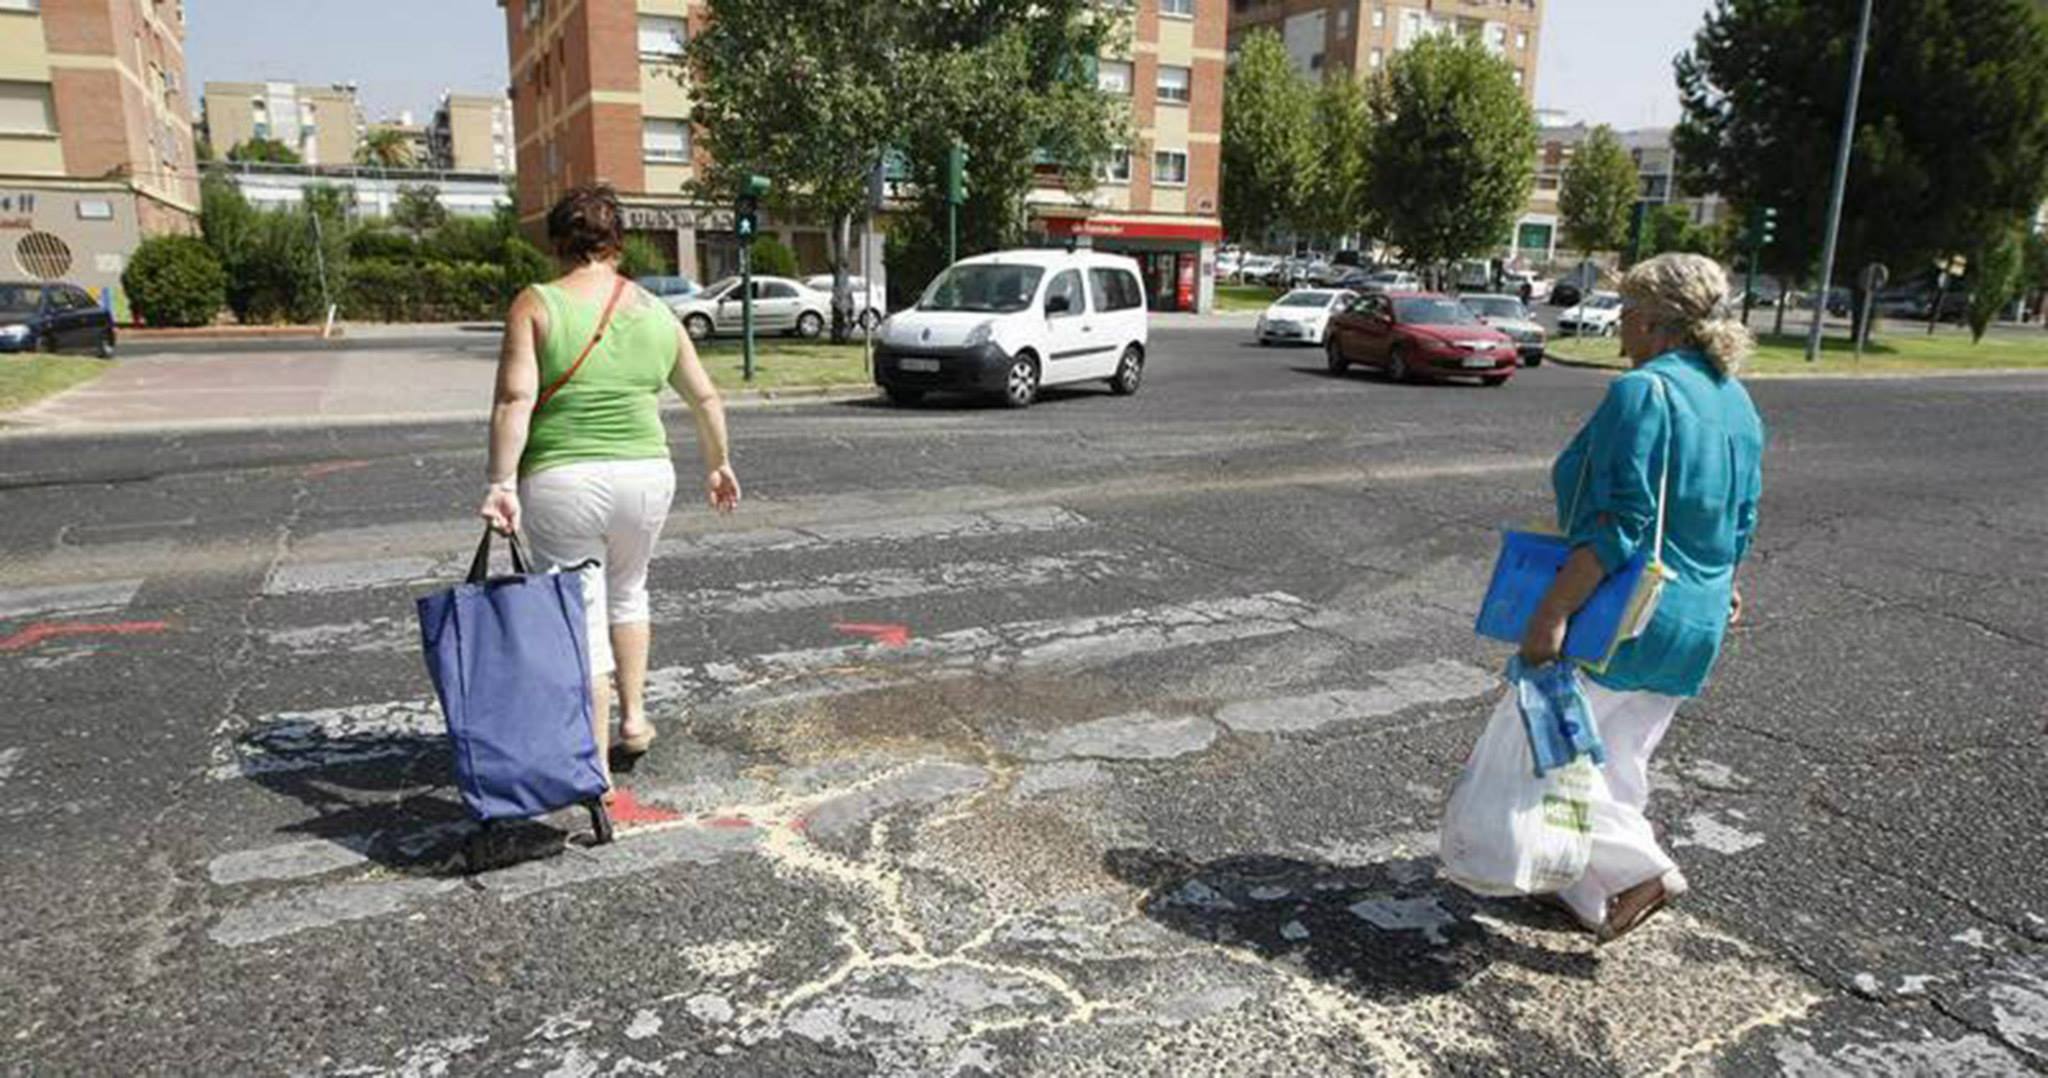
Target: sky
1603,61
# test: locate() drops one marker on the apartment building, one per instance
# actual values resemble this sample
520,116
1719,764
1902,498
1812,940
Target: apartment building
1360,36
322,124
1539,233
96,144
1158,199
472,133
417,141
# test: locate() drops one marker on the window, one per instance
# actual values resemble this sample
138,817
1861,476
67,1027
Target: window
1115,290
1118,168
1379,18
1113,77
774,290
25,108
1183,8
1518,76
1173,84
21,5
1522,40
95,209
1379,57
665,140
1170,168
1067,284
662,38
534,10
1343,21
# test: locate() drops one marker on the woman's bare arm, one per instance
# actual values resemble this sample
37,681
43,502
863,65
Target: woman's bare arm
707,408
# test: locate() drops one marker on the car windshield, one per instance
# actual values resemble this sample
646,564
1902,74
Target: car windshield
983,286
1305,299
1603,301
1496,307
720,286
1432,312
20,297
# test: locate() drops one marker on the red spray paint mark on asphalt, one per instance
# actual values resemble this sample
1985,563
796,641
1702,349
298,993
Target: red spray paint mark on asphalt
627,810
729,823
41,631
333,466
885,634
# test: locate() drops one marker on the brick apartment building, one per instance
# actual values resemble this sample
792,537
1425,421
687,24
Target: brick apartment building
96,144
472,133
1361,35
322,124
595,97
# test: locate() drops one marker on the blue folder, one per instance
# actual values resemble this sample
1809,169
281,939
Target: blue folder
1529,562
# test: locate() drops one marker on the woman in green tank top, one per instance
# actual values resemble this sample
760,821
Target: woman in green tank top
579,458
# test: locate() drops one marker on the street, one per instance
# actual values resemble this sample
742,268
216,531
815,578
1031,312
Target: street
1107,737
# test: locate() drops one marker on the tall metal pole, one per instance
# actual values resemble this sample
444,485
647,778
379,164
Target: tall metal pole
747,311
1827,256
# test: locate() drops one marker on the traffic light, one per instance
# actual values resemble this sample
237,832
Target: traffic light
746,217
956,174
1767,227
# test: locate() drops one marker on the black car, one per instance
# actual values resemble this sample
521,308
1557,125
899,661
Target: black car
38,317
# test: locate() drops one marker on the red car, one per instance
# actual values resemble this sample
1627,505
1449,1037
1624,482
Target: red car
1418,335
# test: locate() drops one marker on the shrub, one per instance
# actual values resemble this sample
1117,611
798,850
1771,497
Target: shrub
387,290
524,265
175,281
382,243
772,258
641,258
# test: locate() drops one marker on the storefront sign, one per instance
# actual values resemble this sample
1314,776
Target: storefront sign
17,202
22,223
1133,230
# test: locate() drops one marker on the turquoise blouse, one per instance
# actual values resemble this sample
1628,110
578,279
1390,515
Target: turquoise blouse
1716,449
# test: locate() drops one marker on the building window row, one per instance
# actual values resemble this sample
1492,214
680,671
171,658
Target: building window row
665,141
1181,8
663,37
21,5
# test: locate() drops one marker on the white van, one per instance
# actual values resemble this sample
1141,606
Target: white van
1012,322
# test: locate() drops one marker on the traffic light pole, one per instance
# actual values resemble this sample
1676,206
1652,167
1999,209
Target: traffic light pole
747,311
1827,254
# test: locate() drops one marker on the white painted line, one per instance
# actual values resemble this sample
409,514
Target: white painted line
1441,681
68,598
319,578
296,741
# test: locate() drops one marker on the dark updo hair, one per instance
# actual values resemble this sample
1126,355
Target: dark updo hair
586,225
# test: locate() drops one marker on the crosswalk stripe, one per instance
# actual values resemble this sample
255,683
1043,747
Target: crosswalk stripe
302,740
68,598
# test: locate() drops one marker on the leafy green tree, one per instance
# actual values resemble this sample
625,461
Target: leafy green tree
1995,278
1271,119
175,281
418,209
265,151
1337,201
1950,147
773,258
2034,271
229,225
639,257
1454,152
525,265
1599,191
386,147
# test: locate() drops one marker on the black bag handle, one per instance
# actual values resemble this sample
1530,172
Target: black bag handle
480,566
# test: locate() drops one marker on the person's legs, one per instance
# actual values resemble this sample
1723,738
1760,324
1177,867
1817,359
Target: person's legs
566,510
643,492
1625,849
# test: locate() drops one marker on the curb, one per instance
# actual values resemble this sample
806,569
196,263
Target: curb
17,428
141,334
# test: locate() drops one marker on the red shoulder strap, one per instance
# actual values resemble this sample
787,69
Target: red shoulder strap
597,335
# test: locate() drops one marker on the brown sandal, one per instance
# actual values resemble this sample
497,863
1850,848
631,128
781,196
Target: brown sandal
1634,907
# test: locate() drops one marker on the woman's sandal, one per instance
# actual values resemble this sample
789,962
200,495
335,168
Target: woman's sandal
1632,908
636,744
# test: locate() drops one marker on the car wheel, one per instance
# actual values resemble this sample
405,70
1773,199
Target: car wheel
1021,387
106,345
47,344
1130,372
698,327
1397,364
870,318
1533,361
899,395
810,324
1333,356
1607,330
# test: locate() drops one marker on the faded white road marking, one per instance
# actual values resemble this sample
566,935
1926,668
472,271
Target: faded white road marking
293,741
1707,830
318,856
318,578
68,598
1440,681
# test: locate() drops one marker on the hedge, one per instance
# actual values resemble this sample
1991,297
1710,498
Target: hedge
175,281
384,290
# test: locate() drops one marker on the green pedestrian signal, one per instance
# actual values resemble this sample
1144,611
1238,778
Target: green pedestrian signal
746,216
1769,229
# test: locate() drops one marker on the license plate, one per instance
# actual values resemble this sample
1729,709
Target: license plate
1478,361
928,366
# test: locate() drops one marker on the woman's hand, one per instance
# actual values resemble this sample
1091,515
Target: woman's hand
1735,607
723,489
1543,641
501,510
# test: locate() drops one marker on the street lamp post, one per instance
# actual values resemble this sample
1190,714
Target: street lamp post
1827,256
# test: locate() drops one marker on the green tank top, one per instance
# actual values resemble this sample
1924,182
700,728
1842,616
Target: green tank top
611,410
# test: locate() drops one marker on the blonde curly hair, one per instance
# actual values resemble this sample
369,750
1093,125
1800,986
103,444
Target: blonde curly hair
1687,295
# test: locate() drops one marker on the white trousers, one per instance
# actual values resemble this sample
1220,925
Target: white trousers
609,511
1625,850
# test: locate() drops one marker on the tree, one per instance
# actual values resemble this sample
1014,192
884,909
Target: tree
386,147
1600,189
773,258
1949,143
1337,201
175,281
1995,278
639,257
1454,152
1270,123
265,151
418,209
2034,272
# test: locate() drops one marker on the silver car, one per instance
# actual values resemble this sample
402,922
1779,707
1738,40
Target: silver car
1506,313
867,298
781,305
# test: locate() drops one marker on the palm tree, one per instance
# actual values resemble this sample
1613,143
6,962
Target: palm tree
387,147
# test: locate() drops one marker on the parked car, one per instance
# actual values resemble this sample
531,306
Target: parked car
1227,261
1566,294
1390,281
1599,315
1254,269
1506,313
1539,287
37,317
1414,335
1013,322
1301,316
867,299
1322,273
781,305
669,287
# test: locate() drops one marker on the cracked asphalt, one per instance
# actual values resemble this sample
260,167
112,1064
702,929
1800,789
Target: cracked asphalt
1149,786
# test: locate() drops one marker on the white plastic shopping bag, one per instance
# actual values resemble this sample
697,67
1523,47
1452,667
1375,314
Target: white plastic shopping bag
1508,832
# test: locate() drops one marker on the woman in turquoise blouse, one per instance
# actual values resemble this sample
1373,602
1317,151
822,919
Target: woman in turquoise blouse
1681,408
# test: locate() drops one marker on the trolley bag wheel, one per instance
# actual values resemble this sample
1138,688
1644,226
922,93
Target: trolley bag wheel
600,823
476,853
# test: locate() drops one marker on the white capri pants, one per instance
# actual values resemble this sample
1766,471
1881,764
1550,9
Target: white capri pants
1625,849
610,511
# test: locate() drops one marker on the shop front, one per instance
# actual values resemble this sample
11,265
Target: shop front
1176,259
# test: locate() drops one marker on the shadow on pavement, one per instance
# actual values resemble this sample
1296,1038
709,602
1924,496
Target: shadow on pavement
1390,932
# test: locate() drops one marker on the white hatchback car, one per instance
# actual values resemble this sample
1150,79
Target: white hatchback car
1012,322
1598,315
867,299
1302,316
781,305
